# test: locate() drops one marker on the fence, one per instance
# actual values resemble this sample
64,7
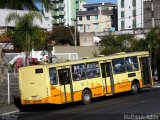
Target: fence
9,88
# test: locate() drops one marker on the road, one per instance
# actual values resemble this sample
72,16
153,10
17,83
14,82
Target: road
113,107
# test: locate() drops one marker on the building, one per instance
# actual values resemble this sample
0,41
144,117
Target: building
64,11
148,23
46,22
98,17
130,14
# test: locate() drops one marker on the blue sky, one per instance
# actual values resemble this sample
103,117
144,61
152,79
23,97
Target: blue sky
99,1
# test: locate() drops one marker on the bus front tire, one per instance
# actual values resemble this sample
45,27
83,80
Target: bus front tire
134,88
86,97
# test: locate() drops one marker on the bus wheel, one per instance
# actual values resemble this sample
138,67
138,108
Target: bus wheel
86,97
134,88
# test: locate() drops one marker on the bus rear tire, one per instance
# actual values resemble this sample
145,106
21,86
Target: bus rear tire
134,88
86,97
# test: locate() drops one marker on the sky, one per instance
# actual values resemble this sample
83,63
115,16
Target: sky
99,1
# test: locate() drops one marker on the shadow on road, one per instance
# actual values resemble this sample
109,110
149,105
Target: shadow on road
51,107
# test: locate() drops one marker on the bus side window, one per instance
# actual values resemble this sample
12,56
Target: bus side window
53,76
92,70
118,66
131,64
78,72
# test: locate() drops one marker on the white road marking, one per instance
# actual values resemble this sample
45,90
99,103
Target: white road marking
12,112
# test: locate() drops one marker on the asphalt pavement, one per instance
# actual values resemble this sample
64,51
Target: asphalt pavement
119,106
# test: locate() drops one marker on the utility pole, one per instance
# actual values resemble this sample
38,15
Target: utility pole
152,14
75,31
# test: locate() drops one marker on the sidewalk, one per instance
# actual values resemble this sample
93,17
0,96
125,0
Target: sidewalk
12,108
8,109
156,85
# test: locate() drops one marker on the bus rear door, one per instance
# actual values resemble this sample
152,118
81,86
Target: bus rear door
146,70
65,85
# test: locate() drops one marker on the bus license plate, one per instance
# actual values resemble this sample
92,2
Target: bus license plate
34,97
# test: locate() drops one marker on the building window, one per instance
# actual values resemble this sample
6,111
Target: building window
122,24
46,18
88,17
122,3
87,27
81,27
134,3
134,13
134,23
96,17
96,26
122,14
80,18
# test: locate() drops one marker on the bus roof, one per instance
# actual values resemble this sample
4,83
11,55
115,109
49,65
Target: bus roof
108,57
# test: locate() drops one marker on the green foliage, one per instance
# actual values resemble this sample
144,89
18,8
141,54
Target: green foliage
139,45
24,4
26,34
63,35
113,44
124,43
153,39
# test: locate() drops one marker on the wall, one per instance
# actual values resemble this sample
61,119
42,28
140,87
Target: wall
104,22
128,14
46,24
14,88
86,39
83,51
148,15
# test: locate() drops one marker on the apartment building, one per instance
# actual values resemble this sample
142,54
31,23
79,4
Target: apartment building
130,14
148,23
46,22
64,11
98,17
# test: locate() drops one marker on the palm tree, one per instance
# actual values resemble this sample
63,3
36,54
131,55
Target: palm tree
26,35
24,4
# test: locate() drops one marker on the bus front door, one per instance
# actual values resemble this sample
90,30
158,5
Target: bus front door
107,77
146,70
65,85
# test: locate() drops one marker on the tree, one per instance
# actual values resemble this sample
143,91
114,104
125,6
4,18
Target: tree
26,35
24,4
125,43
113,44
63,35
153,40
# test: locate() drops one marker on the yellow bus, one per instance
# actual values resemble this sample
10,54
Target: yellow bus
82,80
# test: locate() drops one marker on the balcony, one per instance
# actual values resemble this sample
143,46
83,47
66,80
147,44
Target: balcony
55,6
61,5
54,13
61,13
55,21
62,20
54,0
